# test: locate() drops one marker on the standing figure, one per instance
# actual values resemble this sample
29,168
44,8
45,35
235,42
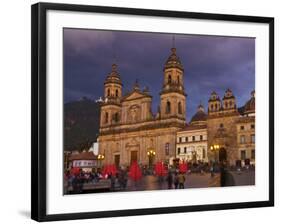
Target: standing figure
181,180
212,170
176,180
112,181
170,180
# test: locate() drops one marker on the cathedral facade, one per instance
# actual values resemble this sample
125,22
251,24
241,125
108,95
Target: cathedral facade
224,133
226,123
128,129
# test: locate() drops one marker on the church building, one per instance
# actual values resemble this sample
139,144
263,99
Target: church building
128,129
225,133
226,123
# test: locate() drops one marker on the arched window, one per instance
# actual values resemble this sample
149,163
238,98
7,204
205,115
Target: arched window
226,105
242,139
116,93
169,79
179,108
168,107
216,106
116,117
108,92
106,118
230,103
178,78
212,107
167,148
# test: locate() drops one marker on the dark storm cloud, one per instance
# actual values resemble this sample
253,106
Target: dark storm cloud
210,63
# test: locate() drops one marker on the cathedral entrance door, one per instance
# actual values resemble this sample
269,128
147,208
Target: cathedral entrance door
222,155
117,160
134,156
150,161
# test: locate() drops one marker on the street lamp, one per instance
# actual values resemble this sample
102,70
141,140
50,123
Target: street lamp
150,153
66,159
100,158
214,148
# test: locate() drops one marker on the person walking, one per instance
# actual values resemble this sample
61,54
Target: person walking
176,180
112,181
123,179
170,180
226,178
181,180
212,170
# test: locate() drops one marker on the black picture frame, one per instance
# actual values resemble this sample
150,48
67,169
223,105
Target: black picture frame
39,123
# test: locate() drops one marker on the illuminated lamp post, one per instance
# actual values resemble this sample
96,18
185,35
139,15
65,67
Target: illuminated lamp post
215,148
100,158
151,153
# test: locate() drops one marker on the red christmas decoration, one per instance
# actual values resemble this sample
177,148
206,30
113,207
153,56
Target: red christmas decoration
183,167
113,169
160,169
135,171
75,171
109,169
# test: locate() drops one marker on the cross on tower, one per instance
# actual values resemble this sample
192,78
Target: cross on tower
173,43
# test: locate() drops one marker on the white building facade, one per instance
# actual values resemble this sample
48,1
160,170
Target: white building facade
192,145
246,132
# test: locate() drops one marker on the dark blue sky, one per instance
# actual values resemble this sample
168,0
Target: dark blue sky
210,63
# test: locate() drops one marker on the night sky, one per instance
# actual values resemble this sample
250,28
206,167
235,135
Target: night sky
211,63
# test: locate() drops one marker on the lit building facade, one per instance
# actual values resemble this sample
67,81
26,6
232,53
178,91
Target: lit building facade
128,128
246,132
129,131
230,129
192,140
225,133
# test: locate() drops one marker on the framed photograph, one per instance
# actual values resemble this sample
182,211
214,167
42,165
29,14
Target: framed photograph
138,111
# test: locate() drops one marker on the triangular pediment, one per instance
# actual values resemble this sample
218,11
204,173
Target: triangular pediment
135,95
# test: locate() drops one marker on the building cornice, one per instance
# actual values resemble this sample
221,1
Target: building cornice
149,126
192,142
222,114
168,91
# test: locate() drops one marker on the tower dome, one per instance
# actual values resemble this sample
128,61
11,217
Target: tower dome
214,97
249,107
199,117
113,86
113,76
228,94
173,60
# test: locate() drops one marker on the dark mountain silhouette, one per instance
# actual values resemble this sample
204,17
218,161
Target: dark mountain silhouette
81,124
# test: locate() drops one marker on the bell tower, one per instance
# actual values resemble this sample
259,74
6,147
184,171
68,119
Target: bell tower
173,97
214,104
229,102
113,85
111,106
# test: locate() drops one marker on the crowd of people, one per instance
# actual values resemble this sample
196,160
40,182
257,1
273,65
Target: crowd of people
176,179
77,179
174,176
